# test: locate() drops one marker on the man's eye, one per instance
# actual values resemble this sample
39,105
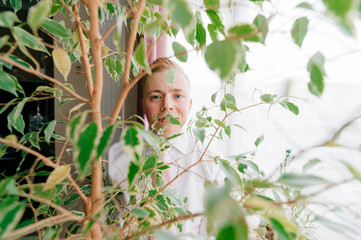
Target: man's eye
155,97
178,96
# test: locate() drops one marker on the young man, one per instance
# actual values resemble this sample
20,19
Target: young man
159,100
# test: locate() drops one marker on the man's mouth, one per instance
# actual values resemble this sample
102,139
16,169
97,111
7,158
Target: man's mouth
164,119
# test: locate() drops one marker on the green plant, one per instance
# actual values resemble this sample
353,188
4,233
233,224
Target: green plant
246,191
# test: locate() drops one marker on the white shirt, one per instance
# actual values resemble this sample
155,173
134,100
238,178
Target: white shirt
184,152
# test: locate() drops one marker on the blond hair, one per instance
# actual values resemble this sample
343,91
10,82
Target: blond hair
163,64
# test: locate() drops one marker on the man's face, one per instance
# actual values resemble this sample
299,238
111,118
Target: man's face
160,99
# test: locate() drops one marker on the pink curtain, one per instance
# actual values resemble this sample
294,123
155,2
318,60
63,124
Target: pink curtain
158,49
160,46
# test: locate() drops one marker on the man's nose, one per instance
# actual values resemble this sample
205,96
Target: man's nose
167,103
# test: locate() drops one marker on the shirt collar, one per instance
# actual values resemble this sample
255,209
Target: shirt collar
183,142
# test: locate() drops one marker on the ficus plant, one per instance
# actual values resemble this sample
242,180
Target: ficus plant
277,202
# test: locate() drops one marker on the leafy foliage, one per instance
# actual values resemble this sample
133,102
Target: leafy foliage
142,203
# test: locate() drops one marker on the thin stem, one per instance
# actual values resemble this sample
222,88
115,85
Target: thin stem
18,233
84,55
47,202
324,143
191,166
96,202
165,223
44,76
29,100
60,156
78,190
108,32
12,49
76,17
124,93
125,82
17,145
155,42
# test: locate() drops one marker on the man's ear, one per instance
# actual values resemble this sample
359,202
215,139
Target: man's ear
190,105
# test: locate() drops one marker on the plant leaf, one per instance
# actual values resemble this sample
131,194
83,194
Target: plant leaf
133,170
3,40
299,30
305,5
20,61
151,140
140,58
180,52
216,20
290,106
15,119
105,140
55,28
62,62
259,140
170,77
200,133
339,7
201,34
7,19
140,212
211,4
38,13
26,39
356,174
16,4
229,171
268,98
57,176
262,24
311,164
316,85
149,165
7,83
49,130
246,32
221,57
180,12
301,180
11,212
278,227
85,146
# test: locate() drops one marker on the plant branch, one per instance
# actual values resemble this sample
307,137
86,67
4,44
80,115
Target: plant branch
329,142
155,42
124,93
60,156
12,49
18,233
131,42
84,55
203,153
17,145
108,32
44,76
29,100
191,166
47,202
78,190
96,202
165,223
125,82
76,17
